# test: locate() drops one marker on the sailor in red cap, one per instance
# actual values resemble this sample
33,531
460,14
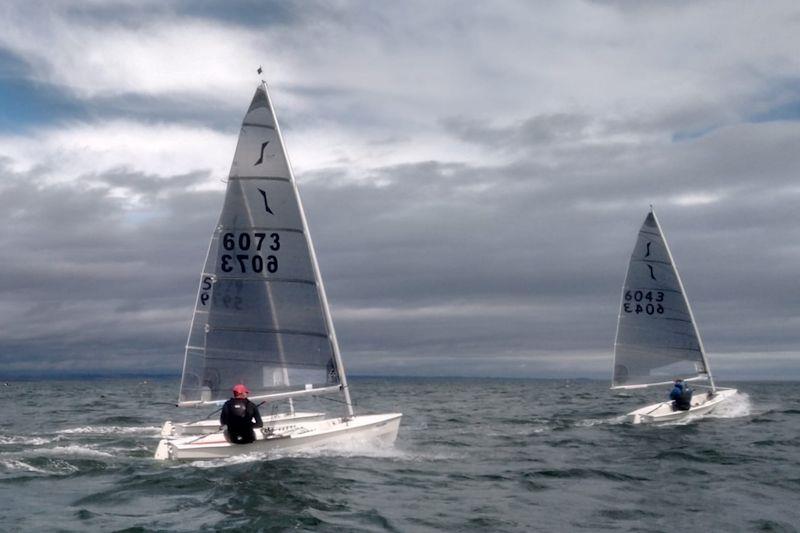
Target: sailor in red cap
239,417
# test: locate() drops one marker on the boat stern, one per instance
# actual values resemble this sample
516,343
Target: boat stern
163,451
168,429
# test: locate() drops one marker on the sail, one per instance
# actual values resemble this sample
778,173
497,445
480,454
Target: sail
259,318
657,340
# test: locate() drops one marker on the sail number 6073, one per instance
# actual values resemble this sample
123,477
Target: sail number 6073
245,241
247,262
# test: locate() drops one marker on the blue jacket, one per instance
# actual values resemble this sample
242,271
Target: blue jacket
677,392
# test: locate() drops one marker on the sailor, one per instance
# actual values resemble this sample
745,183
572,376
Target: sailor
239,416
681,396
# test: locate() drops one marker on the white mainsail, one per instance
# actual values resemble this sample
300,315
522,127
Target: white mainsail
261,317
657,338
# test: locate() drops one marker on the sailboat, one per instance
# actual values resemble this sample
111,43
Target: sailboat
261,317
657,338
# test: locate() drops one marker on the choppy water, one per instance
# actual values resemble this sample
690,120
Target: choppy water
489,455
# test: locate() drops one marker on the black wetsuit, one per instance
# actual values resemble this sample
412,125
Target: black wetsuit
241,416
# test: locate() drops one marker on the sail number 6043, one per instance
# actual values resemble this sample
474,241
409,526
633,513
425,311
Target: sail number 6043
638,296
632,305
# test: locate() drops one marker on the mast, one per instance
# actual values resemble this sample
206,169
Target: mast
320,286
686,299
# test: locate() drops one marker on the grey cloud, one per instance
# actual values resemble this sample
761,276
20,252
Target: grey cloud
83,279
537,130
436,266
515,259
523,233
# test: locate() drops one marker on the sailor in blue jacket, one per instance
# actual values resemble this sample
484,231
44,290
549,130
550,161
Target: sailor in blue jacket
681,396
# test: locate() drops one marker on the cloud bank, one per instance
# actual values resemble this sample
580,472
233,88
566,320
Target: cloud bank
474,176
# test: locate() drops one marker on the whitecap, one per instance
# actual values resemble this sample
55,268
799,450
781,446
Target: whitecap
614,420
27,440
104,430
62,467
14,465
84,451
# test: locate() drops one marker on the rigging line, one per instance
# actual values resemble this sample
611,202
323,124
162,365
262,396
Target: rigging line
209,415
206,435
355,404
657,407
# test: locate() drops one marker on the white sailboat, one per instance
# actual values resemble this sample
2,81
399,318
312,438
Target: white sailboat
657,338
261,316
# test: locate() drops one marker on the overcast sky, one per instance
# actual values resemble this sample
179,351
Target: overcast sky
475,174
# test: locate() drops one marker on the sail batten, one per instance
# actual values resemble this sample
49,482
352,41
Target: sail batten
657,340
260,316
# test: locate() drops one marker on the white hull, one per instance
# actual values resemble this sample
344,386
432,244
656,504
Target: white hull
369,428
662,412
171,430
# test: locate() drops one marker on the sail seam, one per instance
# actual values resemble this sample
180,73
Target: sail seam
270,330
254,125
261,361
651,233
650,261
270,280
265,228
649,289
660,348
651,317
270,178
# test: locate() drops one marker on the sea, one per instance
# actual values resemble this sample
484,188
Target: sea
471,455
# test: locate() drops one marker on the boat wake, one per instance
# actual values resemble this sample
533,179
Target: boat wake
339,450
736,407
612,421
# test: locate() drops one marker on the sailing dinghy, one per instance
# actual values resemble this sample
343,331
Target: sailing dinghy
261,317
657,338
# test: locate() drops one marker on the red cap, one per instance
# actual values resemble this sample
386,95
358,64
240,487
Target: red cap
240,389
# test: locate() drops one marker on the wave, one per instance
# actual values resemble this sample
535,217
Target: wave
105,430
28,440
612,421
72,450
355,450
17,466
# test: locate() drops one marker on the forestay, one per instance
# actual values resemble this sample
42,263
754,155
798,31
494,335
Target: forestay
259,318
657,339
